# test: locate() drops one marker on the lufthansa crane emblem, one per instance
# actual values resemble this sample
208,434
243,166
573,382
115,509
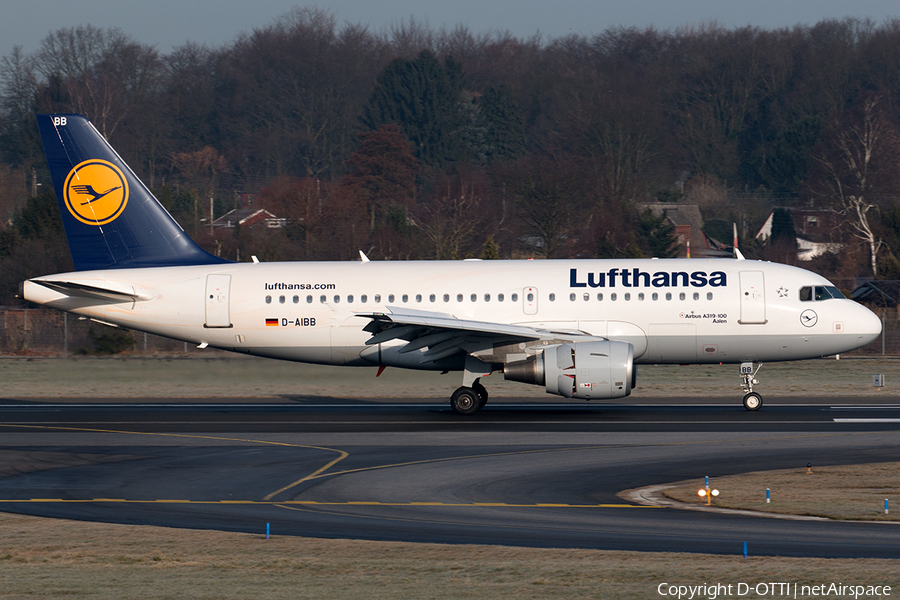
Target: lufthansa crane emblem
809,318
96,192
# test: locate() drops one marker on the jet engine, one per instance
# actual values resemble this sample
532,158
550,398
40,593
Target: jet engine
588,370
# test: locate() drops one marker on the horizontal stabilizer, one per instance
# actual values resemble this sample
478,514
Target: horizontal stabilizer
110,291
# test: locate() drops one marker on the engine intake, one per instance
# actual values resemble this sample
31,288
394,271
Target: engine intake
588,370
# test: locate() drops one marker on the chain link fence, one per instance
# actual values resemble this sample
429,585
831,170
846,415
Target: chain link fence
47,332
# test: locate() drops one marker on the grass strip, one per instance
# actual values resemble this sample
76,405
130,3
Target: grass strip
853,492
49,558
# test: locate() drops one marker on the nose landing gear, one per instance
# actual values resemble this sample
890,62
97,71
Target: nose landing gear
752,400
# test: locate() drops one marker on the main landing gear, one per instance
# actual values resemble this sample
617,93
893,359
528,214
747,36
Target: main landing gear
472,396
469,400
752,400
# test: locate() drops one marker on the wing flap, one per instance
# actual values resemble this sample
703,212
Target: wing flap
442,334
422,320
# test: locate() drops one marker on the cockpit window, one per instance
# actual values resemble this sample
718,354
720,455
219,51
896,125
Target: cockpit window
820,292
835,293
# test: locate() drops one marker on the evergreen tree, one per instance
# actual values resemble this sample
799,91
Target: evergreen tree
783,226
658,235
422,96
505,133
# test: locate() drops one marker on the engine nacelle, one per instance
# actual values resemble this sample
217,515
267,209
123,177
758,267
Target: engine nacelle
598,370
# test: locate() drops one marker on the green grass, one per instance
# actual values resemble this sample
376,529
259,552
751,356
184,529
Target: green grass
46,558
226,375
855,492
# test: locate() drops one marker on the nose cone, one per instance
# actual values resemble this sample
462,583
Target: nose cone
868,325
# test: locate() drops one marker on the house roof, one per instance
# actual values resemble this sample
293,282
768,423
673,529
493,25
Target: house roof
241,216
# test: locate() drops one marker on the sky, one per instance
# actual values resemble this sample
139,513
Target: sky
166,24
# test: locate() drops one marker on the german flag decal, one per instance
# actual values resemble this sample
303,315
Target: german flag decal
271,322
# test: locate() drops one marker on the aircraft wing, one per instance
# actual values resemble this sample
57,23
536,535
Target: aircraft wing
443,334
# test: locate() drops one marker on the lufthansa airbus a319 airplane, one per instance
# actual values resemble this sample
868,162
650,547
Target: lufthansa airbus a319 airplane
575,327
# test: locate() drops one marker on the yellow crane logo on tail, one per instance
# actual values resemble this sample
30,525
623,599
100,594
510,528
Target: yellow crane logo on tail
96,192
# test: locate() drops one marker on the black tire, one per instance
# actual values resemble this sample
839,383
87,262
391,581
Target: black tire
482,394
753,401
465,401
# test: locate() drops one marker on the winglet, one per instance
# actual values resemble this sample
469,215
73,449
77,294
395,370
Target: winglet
363,257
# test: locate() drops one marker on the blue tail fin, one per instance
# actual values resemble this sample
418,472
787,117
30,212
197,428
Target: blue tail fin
112,220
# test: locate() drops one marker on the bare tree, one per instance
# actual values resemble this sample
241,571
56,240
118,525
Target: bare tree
858,167
102,72
452,218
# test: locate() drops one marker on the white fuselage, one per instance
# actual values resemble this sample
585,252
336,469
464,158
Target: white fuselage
671,311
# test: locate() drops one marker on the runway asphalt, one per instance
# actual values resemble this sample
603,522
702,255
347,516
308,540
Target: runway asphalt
530,473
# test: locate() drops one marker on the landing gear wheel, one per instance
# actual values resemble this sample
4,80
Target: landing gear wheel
482,394
465,401
752,401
